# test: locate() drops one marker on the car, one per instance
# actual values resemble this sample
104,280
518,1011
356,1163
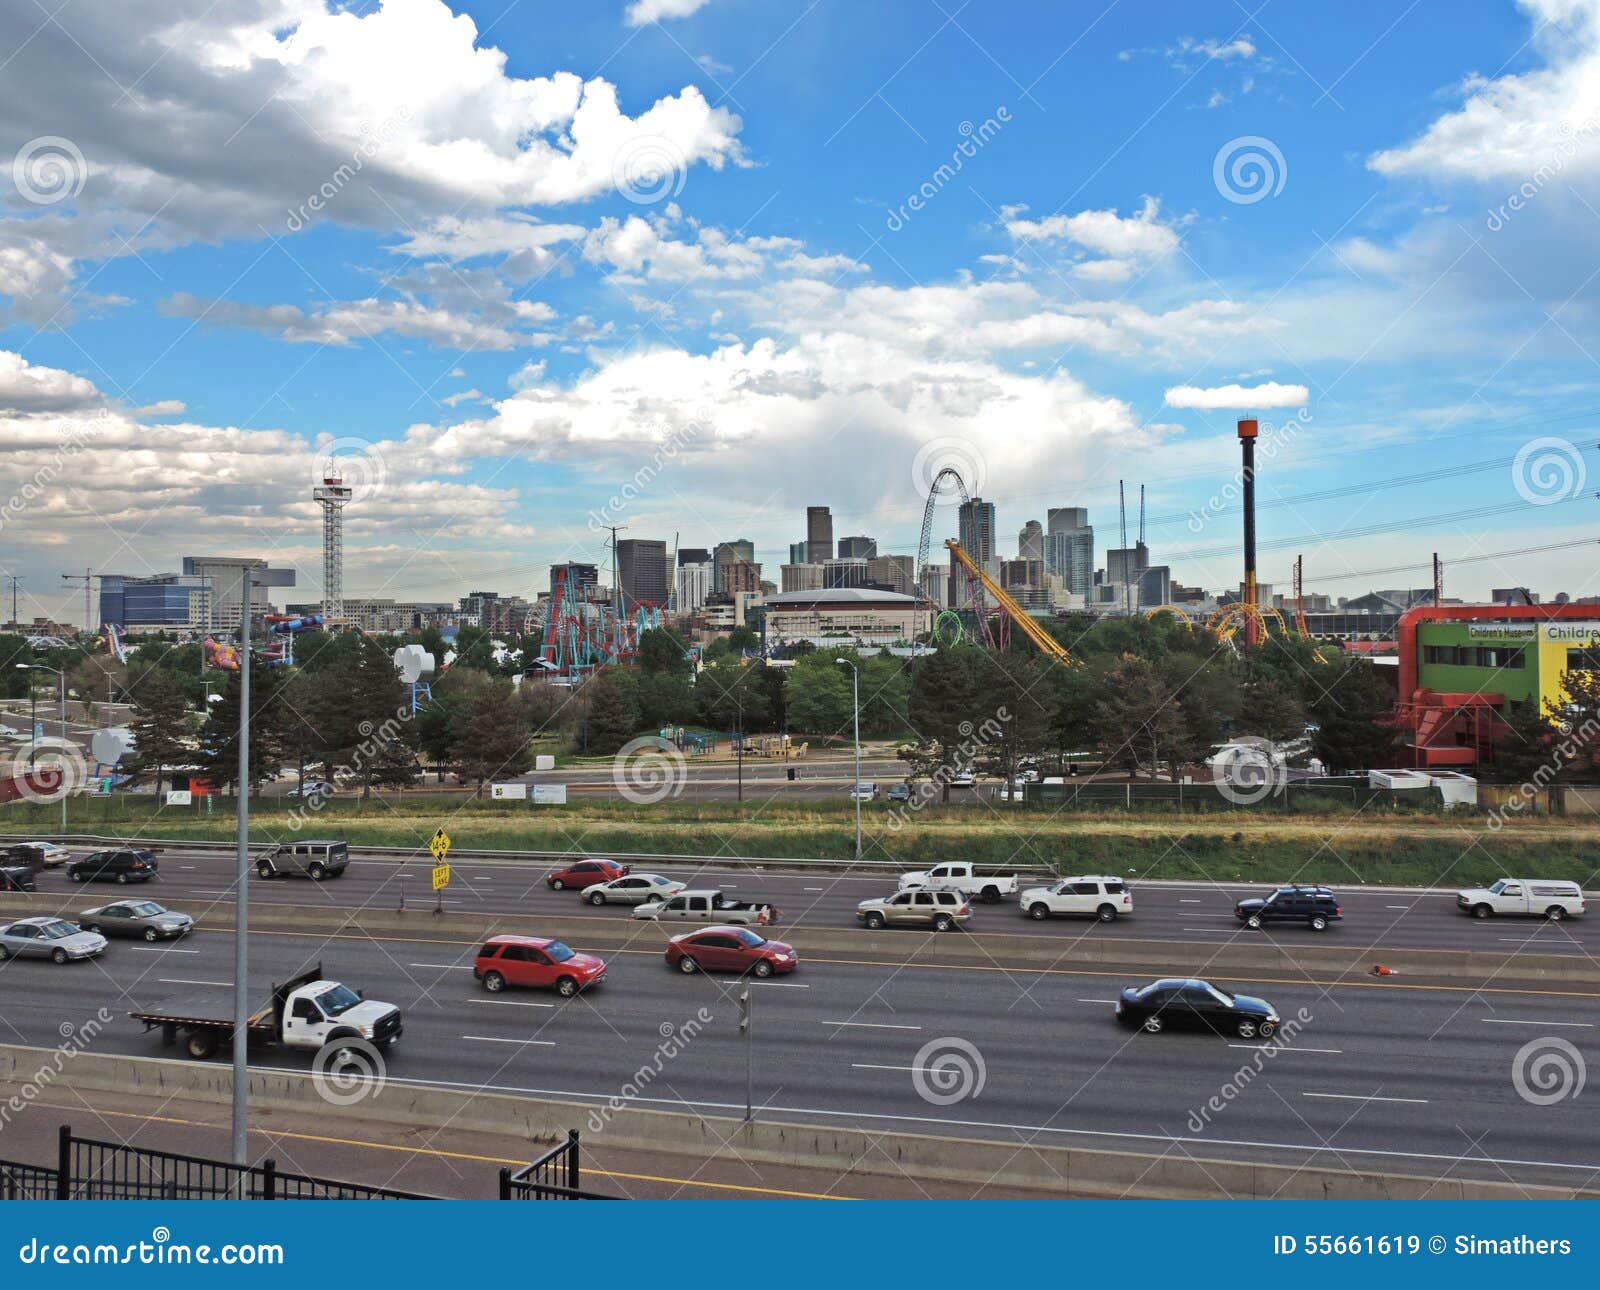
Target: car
124,866
730,949
1554,899
1316,907
583,874
964,877
865,791
1090,896
943,911
49,938
17,878
136,918
632,889
312,859
1182,1003
36,855
964,779
900,792
707,906
311,788
538,962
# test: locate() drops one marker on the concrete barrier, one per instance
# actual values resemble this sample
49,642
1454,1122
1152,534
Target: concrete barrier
998,950
1021,1163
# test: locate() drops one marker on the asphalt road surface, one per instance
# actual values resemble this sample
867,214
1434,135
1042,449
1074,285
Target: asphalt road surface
1195,913
1383,1076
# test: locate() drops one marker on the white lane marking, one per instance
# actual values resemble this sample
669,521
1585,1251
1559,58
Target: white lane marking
178,980
870,1025
1212,915
1215,931
915,1070
1364,1097
1386,906
1507,1021
782,985
1182,900
241,596
163,949
1080,1000
443,967
190,866
509,1003
496,1039
1287,1048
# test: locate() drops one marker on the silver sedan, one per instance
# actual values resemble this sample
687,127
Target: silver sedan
632,889
136,918
49,938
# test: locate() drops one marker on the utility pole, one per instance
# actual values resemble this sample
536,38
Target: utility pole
241,925
855,788
14,580
616,584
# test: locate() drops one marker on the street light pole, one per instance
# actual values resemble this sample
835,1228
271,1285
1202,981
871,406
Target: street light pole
855,703
747,1016
241,926
61,676
33,705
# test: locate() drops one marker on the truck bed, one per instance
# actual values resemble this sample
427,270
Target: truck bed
201,1008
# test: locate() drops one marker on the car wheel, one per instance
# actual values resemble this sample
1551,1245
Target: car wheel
1039,911
150,933
1254,922
122,878
943,923
1319,923
1555,913
4,953
566,987
58,956
597,898
1152,1025
317,872
688,966
263,870
557,885
76,877
493,982
1268,1029
1107,913
991,895
1247,1029
875,921
763,968
201,1044
1481,911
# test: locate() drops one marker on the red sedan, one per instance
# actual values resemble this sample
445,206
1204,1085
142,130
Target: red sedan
585,873
538,962
730,949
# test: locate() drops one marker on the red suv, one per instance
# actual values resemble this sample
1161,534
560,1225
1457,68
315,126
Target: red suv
730,949
585,873
536,961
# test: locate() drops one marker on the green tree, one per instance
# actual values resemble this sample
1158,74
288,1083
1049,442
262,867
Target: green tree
219,737
491,734
15,653
662,651
613,709
1353,714
819,696
945,702
1137,719
1023,689
159,726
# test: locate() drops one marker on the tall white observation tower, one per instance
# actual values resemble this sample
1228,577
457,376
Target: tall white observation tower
333,495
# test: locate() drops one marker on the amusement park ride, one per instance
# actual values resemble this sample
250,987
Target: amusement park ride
581,634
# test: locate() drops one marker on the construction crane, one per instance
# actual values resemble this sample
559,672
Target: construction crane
1048,644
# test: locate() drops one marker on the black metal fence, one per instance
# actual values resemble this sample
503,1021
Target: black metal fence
556,1175
26,1182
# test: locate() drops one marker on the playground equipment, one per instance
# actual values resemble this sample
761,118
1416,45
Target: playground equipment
780,746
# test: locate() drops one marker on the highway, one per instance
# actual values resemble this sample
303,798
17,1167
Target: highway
1192,913
1380,1076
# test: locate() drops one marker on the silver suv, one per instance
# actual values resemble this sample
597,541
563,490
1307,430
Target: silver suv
314,860
943,911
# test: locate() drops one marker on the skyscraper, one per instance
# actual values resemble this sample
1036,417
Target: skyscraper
799,552
819,535
1030,542
1069,548
975,528
857,548
730,555
642,572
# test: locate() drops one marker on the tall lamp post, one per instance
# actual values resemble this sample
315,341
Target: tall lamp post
61,676
241,927
855,788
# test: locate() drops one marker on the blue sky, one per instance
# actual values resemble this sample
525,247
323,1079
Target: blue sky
752,256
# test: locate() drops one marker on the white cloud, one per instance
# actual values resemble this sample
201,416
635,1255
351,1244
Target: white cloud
1222,51
1269,395
26,388
162,408
465,396
1140,237
641,12
347,321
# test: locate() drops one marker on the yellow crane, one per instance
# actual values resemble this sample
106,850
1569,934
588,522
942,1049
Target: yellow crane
1048,645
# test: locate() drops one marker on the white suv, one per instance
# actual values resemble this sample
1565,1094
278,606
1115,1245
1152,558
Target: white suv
1090,896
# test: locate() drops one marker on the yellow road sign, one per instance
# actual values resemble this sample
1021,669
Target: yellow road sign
440,845
441,877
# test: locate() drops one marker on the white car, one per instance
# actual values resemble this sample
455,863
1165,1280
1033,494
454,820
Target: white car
1089,896
1554,899
865,791
633,889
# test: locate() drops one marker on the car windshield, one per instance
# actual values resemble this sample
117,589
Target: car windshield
559,951
1498,887
750,938
147,908
58,928
338,1000
1221,996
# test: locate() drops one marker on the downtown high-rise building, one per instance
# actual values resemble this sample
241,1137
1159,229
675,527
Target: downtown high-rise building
819,535
729,555
1030,542
975,531
643,572
857,548
1069,548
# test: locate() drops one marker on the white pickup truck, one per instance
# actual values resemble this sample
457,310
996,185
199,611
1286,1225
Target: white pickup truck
962,876
708,907
1542,898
